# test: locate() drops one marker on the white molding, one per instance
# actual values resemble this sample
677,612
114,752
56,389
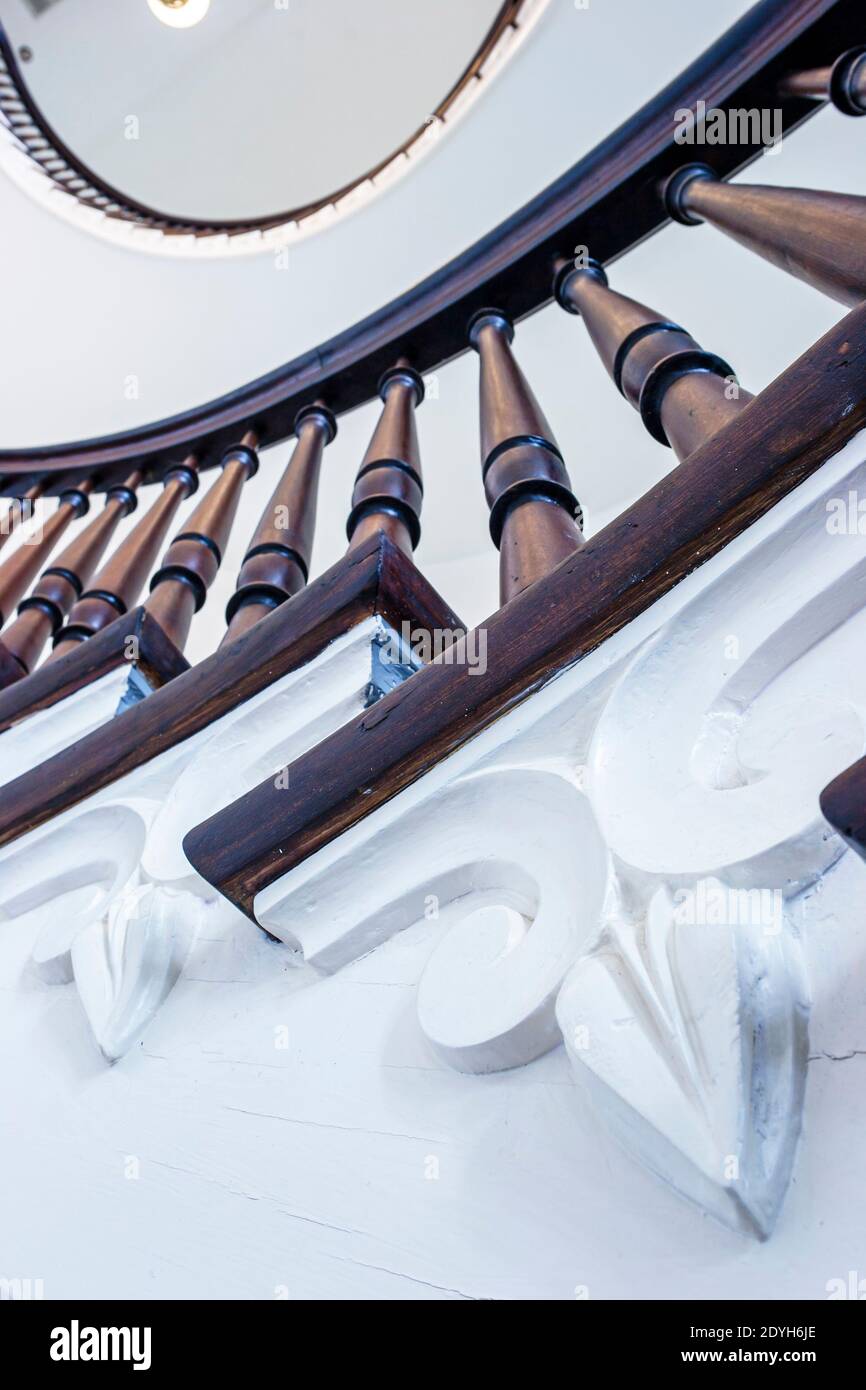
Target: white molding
631,861
639,839
105,887
48,731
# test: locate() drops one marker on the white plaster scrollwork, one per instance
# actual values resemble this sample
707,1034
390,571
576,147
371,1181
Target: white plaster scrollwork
127,963
642,839
112,901
487,997
512,865
625,861
731,725
692,1039
708,760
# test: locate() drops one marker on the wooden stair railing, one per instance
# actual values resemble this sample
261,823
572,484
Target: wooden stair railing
843,804
376,578
660,706
535,518
610,200
684,394
120,581
62,583
765,451
819,237
34,137
146,638
578,592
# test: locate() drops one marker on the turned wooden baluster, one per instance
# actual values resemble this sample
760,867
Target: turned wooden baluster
42,612
683,393
119,583
389,487
843,83
535,518
18,572
819,237
20,510
190,565
277,563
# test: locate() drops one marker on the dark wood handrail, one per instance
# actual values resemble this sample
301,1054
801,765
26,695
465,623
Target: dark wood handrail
843,804
610,200
781,437
376,579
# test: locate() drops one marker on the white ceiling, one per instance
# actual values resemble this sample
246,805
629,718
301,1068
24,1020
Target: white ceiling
257,109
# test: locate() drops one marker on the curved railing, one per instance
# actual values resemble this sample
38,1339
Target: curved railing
35,136
784,56
350,756
561,596
609,201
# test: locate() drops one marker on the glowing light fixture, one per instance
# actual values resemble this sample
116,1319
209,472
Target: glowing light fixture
179,14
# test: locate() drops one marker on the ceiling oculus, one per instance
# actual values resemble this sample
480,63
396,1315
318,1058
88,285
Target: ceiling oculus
179,14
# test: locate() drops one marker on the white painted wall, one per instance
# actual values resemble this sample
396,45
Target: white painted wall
303,1170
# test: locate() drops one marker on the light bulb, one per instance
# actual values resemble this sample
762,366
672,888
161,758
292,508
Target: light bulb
179,14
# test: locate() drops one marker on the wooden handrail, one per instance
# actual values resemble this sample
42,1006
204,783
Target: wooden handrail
610,200
376,578
782,436
843,804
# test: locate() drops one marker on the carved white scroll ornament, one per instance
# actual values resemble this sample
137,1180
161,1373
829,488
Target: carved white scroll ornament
105,888
626,862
